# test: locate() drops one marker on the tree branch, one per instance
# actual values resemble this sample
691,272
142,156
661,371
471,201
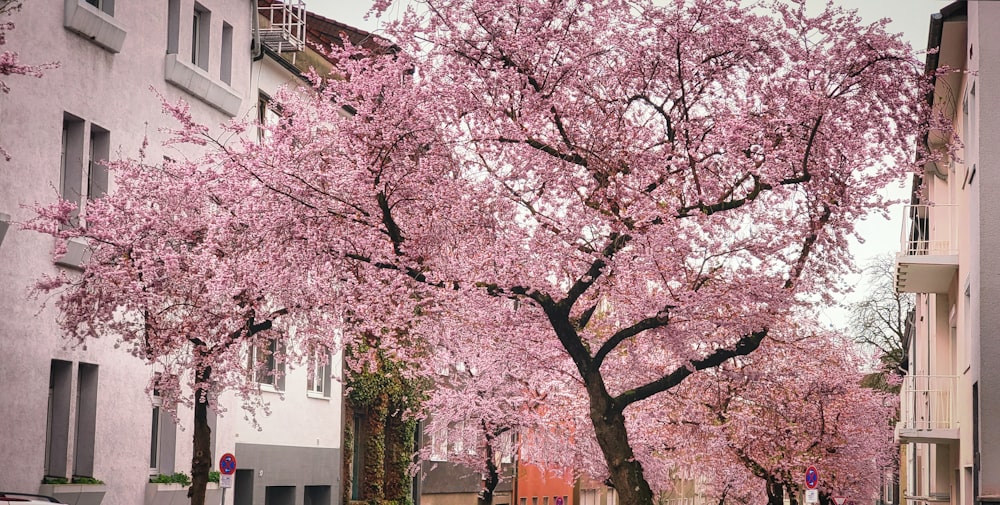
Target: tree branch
744,346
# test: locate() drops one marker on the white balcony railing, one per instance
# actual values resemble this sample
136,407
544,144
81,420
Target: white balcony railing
283,29
928,256
929,230
927,403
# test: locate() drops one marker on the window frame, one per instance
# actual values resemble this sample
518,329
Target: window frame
318,383
267,371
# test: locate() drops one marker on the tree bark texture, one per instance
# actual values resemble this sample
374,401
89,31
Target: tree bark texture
201,460
492,473
625,471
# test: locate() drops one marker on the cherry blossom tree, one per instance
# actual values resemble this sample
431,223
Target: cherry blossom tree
793,404
657,187
178,280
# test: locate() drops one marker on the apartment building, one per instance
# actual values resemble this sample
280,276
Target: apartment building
82,413
950,401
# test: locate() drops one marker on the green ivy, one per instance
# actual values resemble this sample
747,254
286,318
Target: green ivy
77,479
175,478
214,477
384,393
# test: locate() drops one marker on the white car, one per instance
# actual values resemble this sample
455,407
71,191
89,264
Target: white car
7,498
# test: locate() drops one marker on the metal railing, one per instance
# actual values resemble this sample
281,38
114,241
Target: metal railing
929,229
284,26
927,402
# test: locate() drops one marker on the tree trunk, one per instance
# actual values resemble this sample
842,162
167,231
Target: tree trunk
492,477
201,461
626,472
793,497
775,492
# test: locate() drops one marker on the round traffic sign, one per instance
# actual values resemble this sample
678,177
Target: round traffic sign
227,464
812,477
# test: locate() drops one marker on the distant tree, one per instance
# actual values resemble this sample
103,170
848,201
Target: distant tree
878,320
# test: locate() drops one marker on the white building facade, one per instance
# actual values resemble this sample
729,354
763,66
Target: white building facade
82,413
949,428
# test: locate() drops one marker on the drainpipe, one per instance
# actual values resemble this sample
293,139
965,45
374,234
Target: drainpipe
256,49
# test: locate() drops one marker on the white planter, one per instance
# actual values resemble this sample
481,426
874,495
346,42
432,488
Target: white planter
75,494
176,494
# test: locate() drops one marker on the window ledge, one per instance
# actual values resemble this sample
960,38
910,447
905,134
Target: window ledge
77,254
318,396
197,82
94,25
267,388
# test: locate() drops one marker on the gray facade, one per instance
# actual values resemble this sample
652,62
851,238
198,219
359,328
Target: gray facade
281,475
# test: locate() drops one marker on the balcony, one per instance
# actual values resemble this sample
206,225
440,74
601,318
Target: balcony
283,27
927,410
928,257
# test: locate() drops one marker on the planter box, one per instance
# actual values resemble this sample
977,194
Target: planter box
75,494
176,494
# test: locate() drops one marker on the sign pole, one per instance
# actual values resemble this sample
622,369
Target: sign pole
227,467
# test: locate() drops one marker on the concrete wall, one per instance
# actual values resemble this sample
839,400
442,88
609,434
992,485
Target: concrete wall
282,475
984,50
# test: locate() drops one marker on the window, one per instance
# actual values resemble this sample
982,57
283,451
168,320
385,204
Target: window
200,29
86,420
57,422
264,362
71,161
505,446
97,170
173,26
439,444
266,115
187,67
319,379
162,439
226,58
72,184
57,419
105,6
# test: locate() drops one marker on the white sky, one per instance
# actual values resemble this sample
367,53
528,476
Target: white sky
909,17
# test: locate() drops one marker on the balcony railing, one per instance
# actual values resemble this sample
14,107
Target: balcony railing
927,409
929,230
283,29
928,255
